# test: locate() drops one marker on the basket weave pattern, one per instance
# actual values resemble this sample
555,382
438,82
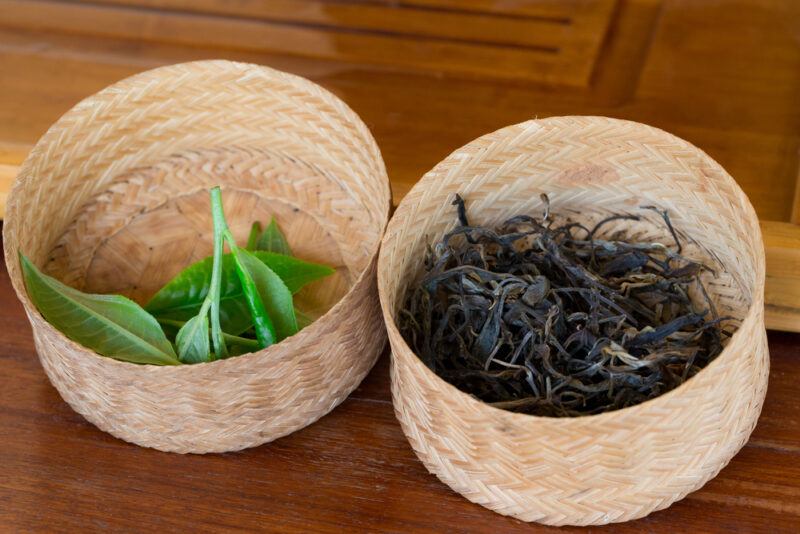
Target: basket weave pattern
135,150
614,466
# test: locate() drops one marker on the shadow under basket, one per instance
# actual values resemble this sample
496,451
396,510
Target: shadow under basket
617,465
115,199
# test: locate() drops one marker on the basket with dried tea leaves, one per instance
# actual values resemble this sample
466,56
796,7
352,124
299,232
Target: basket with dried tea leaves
556,319
578,337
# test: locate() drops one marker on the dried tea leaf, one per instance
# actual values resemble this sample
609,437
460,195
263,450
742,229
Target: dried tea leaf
558,320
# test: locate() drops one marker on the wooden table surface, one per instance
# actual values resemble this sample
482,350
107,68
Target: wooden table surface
351,471
427,76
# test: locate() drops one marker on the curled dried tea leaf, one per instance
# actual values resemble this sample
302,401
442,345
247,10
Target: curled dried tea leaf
560,319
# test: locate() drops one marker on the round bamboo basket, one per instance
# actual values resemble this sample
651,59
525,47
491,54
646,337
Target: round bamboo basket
114,198
614,466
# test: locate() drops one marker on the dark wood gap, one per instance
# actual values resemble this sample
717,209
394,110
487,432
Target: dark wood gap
564,21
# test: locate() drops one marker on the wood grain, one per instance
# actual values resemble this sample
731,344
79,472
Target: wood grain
352,471
547,33
782,294
734,98
542,49
723,75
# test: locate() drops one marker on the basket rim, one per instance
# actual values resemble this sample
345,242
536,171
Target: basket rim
405,353
289,344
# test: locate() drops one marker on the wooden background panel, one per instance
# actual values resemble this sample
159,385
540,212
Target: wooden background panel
782,293
725,74
722,75
352,470
552,9
408,37
390,19
728,101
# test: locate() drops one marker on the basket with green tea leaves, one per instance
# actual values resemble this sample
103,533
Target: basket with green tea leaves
122,181
559,319
225,305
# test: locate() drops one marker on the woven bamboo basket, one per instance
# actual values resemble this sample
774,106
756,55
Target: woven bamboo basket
614,466
114,198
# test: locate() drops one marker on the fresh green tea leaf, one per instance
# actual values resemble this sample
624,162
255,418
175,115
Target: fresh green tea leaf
192,340
262,322
252,239
212,298
182,297
171,327
233,314
110,325
276,297
273,240
294,272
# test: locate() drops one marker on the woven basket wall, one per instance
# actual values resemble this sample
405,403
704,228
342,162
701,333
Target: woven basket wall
618,465
114,198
